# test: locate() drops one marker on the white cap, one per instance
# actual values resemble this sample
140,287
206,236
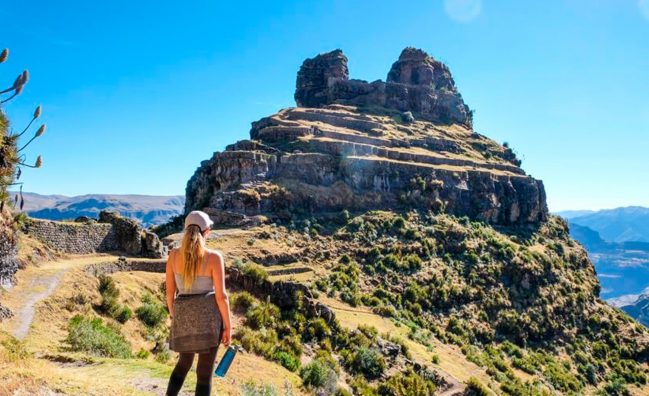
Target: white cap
199,218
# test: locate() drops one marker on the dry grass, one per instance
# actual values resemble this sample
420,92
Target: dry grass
38,373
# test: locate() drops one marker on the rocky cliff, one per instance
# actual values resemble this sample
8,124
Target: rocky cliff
353,145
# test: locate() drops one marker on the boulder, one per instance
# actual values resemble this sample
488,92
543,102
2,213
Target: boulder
128,232
131,238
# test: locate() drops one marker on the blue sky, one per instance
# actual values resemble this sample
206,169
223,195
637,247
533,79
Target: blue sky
137,93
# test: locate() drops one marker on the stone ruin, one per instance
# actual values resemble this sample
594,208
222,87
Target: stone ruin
109,233
416,83
352,145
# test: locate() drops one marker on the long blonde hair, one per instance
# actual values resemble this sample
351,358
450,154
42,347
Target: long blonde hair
192,250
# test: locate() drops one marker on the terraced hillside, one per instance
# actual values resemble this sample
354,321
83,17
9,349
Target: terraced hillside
357,154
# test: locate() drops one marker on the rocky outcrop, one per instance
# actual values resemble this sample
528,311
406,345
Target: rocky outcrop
416,83
131,237
317,75
8,248
285,294
112,233
325,157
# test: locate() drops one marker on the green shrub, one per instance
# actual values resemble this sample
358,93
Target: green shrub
561,378
317,329
262,315
91,335
318,374
289,361
291,345
261,342
475,388
406,384
410,263
107,287
242,301
398,223
524,364
256,272
368,362
109,304
151,312
614,387
345,259
350,298
125,313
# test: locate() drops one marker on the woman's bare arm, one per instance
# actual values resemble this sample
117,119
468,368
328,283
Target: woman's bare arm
218,277
171,282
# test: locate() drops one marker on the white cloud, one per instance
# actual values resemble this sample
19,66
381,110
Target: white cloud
644,8
468,10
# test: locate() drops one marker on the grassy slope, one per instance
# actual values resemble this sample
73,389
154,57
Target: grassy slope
42,362
455,321
492,290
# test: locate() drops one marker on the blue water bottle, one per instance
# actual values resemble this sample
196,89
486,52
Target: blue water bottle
226,361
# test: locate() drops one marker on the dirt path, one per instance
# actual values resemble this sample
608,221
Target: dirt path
25,315
35,284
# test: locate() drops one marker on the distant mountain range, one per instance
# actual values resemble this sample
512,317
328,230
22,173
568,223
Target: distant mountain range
636,305
614,225
617,241
149,209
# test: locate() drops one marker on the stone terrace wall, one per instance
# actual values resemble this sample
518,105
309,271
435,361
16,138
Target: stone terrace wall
8,249
78,238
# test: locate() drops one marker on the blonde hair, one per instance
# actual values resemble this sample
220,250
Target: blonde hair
192,250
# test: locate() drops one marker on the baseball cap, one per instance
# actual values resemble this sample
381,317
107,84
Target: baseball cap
199,218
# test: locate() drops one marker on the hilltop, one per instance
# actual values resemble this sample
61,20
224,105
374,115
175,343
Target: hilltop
357,146
405,211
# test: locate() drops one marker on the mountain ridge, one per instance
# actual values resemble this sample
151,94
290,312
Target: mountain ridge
622,224
148,209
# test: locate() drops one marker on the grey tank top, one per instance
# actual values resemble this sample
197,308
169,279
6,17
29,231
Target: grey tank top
201,285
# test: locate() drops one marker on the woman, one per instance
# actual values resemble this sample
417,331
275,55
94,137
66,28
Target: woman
200,310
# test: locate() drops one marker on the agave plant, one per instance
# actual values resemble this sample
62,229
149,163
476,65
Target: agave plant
12,157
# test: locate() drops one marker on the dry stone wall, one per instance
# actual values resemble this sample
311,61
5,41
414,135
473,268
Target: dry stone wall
78,238
112,233
8,260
